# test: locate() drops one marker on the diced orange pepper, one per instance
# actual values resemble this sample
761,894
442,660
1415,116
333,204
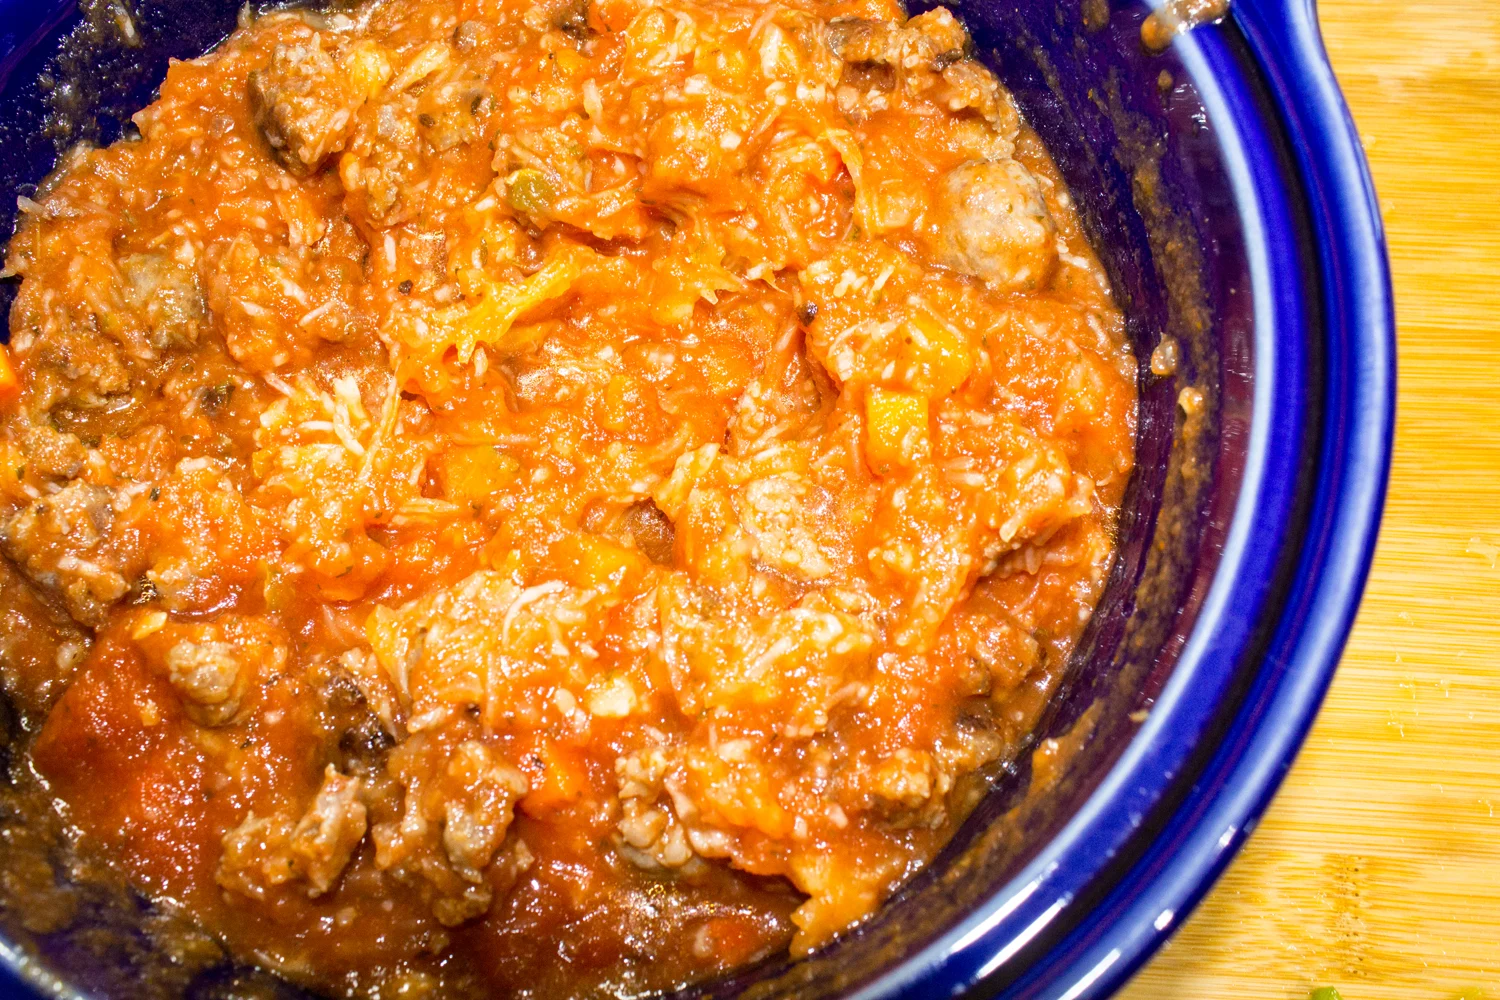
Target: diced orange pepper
569,63
9,382
935,358
588,560
470,473
895,429
558,779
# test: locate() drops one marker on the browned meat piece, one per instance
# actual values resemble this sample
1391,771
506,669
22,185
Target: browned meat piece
166,296
213,665
452,112
908,781
265,852
242,289
326,836
389,164
995,226
929,53
74,366
305,105
967,84
571,16
50,453
63,542
472,36
931,41
454,821
475,822
40,648
207,675
651,531
649,835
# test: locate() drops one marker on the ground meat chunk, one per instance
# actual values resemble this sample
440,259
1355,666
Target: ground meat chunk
212,665
51,453
166,296
304,104
386,165
648,834
780,513
63,542
474,824
995,226
451,112
968,84
930,54
910,787
75,367
206,674
255,859
455,816
263,853
472,36
40,647
326,836
571,16
931,41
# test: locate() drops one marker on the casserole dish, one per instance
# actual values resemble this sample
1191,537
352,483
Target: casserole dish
1221,184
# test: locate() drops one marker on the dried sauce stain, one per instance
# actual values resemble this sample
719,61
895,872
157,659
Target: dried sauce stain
1050,759
1174,17
561,496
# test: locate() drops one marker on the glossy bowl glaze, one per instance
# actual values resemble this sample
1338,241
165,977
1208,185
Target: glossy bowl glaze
1223,186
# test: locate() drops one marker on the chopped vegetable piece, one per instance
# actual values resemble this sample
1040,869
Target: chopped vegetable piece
896,430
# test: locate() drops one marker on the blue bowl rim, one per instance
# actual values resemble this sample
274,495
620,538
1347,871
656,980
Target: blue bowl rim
1149,901
1151,898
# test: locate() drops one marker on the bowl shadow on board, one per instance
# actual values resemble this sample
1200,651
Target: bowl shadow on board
1127,130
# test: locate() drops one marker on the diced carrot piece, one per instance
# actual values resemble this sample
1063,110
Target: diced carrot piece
895,429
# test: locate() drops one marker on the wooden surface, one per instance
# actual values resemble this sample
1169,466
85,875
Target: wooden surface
1377,870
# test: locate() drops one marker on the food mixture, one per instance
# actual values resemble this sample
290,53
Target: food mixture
551,498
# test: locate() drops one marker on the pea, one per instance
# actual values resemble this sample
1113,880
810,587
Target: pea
1325,993
529,192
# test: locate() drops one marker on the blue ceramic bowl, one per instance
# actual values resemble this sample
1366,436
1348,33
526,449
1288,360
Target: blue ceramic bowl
1222,183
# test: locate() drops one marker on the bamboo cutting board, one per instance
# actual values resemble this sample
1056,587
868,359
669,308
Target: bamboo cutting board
1377,870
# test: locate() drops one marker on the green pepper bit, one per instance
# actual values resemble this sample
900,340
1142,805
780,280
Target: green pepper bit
530,193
